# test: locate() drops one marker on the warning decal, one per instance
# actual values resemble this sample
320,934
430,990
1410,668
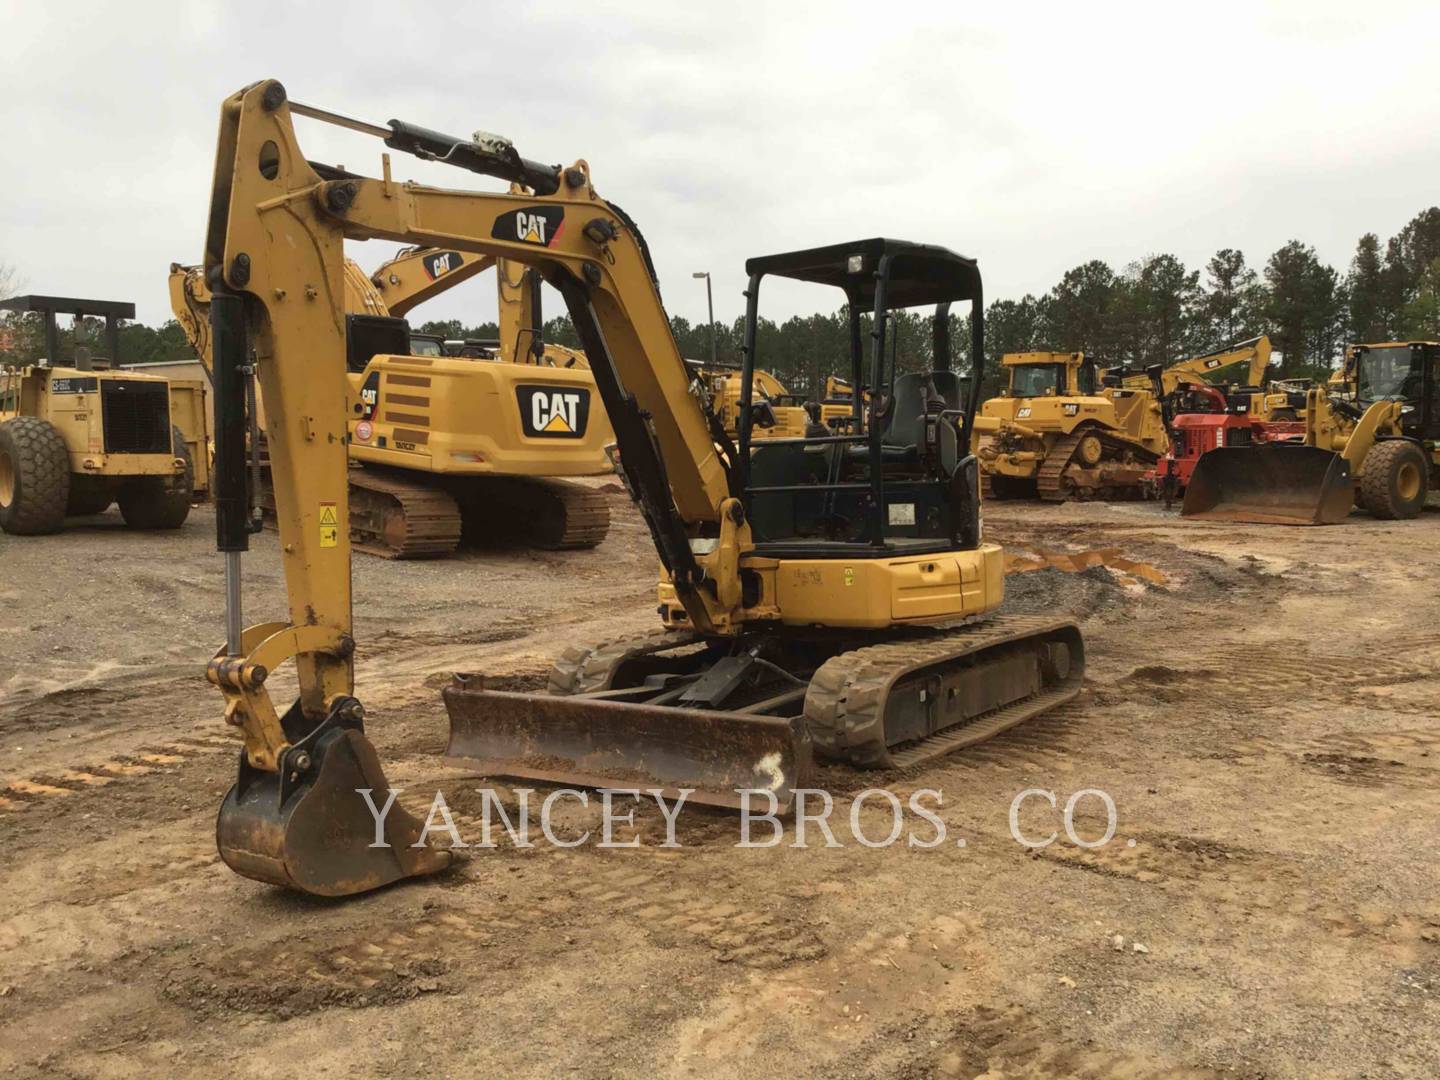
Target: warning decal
329,525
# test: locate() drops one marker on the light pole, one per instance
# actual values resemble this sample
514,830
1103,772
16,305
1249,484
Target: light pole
710,303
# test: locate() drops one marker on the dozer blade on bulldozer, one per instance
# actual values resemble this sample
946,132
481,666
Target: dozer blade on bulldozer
593,742
308,827
1270,484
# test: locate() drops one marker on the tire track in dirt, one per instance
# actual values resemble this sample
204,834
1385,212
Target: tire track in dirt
96,776
457,938
1012,1042
1247,881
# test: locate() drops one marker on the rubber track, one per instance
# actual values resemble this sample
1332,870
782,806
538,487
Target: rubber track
583,669
432,518
849,691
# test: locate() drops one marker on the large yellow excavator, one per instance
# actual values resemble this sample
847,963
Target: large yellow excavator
454,446
1196,371
839,595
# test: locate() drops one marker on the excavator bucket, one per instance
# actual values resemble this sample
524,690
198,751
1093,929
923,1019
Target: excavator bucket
311,829
588,741
1270,484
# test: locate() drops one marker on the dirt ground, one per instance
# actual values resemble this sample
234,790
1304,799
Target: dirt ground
1261,706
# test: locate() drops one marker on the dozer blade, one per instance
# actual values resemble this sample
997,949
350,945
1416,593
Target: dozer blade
311,829
1272,484
591,742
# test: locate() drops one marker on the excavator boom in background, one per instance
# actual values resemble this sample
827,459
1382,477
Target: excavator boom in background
453,447
1203,413
834,587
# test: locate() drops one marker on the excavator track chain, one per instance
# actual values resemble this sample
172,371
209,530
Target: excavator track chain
903,702
584,669
397,518
540,512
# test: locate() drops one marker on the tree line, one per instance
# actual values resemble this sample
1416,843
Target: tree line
1155,310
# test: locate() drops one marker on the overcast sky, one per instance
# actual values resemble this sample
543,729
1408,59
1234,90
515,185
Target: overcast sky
1030,136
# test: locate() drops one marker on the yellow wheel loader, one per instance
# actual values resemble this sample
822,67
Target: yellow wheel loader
1055,433
454,447
1379,451
74,440
839,594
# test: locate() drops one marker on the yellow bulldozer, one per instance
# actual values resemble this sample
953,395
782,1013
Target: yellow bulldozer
1058,434
840,597
1376,446
450,447
75,439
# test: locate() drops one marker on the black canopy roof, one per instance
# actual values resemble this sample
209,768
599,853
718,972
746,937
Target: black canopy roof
68,305
920,274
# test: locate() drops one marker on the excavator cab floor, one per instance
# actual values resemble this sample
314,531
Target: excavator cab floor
1269,484
308,827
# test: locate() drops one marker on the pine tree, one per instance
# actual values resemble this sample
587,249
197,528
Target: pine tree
1078,309
1370,316
1303,306
1420,318
1228,309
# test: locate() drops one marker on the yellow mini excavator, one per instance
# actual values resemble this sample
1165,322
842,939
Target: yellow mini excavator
839,594
1058,434
453,447
1375,444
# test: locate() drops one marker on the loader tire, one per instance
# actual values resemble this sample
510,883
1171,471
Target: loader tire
34,477
1395,481
158,502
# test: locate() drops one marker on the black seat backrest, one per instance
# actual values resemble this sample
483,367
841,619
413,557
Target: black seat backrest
907,411
951,387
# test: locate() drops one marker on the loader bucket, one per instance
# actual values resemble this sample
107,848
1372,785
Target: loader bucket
311,830
1270,484
591,742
